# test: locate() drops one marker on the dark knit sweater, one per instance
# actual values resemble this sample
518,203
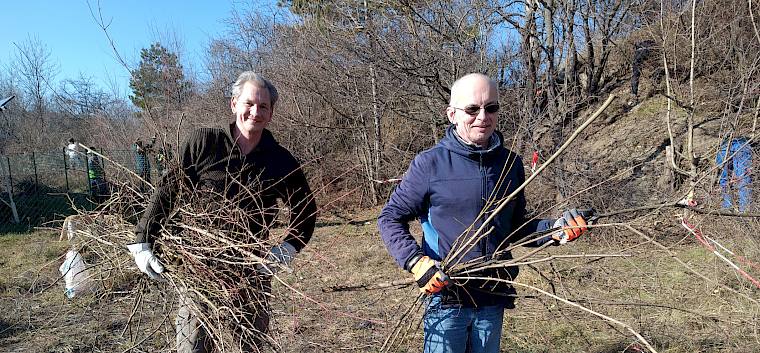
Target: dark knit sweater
211,162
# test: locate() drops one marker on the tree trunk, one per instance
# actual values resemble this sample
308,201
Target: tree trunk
376,122
7,187
590,64
571,66
551,74
529,43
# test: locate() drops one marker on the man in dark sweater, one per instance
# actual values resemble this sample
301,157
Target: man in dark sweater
231,162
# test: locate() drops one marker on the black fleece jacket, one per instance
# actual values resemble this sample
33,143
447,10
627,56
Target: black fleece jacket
211,161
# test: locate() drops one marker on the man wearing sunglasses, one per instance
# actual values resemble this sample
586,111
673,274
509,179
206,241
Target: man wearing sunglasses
452,188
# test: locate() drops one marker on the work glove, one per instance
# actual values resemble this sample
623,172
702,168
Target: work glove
429,276
146,261
573,226
282,255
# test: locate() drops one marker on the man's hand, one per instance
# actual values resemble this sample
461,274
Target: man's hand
282,255
429,276
573,226
146,261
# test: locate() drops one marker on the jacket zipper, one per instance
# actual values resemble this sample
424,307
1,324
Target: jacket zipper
483,186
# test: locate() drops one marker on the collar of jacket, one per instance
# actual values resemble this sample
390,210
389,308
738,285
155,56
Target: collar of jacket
267,139
454,143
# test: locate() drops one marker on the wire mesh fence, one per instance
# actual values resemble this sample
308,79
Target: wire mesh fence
39,188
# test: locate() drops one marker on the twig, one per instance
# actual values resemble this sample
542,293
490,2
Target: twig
146,336
568,302
475,237
135,306
504,264
676,204
673,255
653,305
103,26
388,343
754,25
368,286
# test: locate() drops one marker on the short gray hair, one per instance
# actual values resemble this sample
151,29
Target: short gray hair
256,79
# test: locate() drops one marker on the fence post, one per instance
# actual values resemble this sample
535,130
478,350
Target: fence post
9,189
87,169
65,170
102,161
36,178
10,175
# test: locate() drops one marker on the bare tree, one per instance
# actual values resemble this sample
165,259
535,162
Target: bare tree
36,71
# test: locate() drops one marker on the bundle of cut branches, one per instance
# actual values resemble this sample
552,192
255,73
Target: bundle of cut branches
211,249
490,273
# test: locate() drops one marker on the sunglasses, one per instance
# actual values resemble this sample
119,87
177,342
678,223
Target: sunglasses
474,110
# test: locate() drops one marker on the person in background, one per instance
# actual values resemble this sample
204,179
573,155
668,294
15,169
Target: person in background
734,161
97,178
162,156
641,52
142,163
72,151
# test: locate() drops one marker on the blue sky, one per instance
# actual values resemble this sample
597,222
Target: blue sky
76,43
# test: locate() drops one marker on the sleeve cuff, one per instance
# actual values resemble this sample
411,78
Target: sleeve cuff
412,260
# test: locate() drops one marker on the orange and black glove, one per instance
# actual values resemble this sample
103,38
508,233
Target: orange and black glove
573,226
429,276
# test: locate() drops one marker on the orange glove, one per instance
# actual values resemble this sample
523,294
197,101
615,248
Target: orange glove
429,276
573,226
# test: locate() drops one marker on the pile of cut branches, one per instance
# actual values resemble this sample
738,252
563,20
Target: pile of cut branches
212,253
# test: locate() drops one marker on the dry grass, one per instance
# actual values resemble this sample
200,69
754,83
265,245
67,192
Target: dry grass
660,298
647,290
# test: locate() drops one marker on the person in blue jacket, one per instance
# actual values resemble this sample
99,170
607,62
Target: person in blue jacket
452,188
735,162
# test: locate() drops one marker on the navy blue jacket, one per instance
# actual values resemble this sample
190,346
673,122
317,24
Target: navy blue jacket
452,188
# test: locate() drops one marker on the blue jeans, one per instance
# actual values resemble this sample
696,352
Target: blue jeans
458,330
735,170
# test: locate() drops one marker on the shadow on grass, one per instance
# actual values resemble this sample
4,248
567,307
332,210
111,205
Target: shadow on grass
351,222
40,206
8,329
630,346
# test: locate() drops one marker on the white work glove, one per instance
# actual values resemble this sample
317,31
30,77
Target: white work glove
282,255
146,261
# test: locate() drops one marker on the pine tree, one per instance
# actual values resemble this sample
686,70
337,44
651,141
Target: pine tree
158,81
